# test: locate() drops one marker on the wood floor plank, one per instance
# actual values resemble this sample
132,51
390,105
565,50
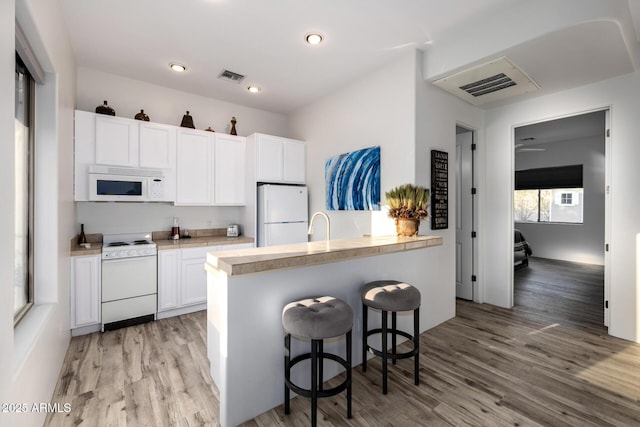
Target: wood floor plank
548,361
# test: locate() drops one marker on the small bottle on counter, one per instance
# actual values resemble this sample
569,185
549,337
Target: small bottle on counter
175,230
82,238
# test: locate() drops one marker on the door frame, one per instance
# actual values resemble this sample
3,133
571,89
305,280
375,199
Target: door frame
607,201
475,285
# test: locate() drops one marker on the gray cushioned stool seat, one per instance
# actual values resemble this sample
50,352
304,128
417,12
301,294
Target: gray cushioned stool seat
390,295
317,318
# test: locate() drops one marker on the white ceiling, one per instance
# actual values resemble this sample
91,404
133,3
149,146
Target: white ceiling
564,129
264,41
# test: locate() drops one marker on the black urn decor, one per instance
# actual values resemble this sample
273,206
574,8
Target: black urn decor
233,126
142,116
187,121
105,109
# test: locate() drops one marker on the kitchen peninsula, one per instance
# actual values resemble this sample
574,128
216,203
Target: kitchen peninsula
247,289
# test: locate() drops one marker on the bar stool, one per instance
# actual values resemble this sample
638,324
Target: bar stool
316,319
390,296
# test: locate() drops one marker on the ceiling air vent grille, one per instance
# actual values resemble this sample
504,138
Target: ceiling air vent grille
488,85
489,82
230,76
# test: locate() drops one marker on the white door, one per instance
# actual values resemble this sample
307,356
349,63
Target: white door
464,215
283,203
284,233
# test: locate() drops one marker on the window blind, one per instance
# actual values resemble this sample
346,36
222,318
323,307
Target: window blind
547,178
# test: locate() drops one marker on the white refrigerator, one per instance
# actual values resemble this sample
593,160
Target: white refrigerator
283,214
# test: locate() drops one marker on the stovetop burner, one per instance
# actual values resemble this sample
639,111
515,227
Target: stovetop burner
118,244
127,245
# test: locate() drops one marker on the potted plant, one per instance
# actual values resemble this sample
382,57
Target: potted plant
408,206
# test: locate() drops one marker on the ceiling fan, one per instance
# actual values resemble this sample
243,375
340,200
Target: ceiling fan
520,148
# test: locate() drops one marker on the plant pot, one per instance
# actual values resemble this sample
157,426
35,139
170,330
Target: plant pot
407,226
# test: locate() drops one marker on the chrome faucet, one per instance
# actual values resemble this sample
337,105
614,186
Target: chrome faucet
322,214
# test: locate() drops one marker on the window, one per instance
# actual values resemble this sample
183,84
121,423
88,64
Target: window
549,205
552,194
566,198
24,194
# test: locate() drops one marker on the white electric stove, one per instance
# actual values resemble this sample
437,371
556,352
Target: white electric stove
129,279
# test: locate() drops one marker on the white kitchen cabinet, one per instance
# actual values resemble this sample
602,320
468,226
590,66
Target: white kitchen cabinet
157,146
294,163
269,158
229,170
280,160
194,167
193,278
168,279
210,169
85,291
116,141
182,279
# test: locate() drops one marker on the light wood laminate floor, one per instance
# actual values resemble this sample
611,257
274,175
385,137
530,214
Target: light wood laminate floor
486,367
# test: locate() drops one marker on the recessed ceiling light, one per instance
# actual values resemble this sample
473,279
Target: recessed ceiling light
314,38
254,89
178,68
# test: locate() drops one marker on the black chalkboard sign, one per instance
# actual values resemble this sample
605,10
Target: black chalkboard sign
439,190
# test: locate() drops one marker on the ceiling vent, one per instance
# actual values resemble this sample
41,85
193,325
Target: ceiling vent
490,82
230,76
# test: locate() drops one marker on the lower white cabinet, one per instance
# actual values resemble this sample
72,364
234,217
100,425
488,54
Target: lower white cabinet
85,291
182,279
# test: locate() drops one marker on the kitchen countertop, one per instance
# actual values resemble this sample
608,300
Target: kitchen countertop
195,242
161,243
77,250
254,260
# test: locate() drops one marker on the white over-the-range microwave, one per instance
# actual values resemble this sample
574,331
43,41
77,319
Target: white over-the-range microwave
114,184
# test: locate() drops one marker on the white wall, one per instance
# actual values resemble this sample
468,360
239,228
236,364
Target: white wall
394,108
570,242
163,105
7,133
623,95
377,109
112,217
31,355
437,114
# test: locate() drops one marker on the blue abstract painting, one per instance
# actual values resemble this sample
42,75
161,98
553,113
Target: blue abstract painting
352,180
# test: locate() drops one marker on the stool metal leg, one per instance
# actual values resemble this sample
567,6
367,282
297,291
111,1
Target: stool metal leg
287,370
349,374
416,343
365,311
393,336
384,351
314,382
320,364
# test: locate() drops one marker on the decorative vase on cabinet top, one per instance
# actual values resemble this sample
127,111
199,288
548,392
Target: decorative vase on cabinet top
187,121
142,116
105,109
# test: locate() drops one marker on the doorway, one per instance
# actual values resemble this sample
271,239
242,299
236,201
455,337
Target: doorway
465,205
560,200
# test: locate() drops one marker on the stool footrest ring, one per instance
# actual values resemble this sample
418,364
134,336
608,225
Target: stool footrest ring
305,392
390,355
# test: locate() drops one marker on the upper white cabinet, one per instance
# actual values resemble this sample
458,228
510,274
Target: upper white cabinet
200,168
229,170
294,164
157,146
116,141
279,160
193,168
210,169
121,142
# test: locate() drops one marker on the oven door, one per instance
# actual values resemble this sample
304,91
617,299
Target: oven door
129,277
